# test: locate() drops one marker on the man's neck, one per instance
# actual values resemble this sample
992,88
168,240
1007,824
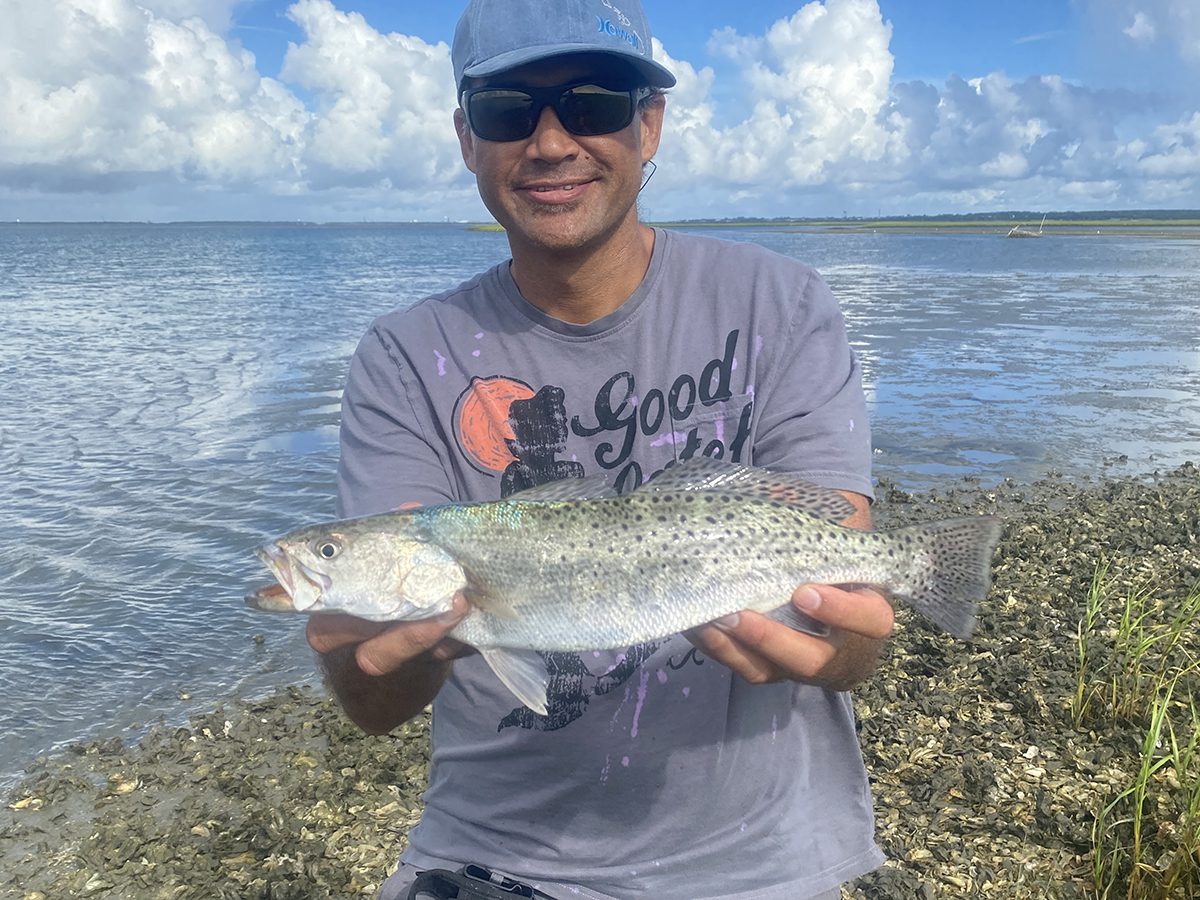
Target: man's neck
586,286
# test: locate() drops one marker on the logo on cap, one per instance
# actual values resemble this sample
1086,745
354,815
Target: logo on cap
621,17
607,26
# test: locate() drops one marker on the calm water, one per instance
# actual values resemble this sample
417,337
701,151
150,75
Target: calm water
170,398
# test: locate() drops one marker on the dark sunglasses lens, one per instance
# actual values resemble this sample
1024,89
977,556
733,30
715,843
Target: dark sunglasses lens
591,109
501,115
511,115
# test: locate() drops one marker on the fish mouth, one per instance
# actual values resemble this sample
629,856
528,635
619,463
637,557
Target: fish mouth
270,598
299,588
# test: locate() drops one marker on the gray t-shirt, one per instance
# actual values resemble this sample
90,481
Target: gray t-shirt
657,772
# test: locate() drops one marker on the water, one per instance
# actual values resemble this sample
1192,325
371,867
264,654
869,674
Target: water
170,398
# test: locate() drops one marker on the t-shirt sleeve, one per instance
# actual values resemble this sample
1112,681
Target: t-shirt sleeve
813,411
386,458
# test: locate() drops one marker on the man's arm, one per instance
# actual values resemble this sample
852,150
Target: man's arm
762,650
383,674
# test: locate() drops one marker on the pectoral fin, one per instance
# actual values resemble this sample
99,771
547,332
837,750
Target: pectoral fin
523,672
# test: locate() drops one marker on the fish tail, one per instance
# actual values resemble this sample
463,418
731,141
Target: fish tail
955,562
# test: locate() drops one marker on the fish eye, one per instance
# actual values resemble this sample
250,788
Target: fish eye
328,549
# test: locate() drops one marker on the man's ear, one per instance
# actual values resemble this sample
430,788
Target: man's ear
466,140
652,109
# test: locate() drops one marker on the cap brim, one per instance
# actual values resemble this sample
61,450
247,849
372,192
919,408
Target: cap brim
656,75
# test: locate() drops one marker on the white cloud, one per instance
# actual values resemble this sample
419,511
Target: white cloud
216,14
120,91
98,94
1141,29
825,116
1171,151
384,102
1162,26
152,99
815,85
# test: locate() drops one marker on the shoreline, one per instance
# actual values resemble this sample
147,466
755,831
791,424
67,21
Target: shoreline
1184,229
981,779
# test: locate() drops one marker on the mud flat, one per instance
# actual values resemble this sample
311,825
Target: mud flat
987,782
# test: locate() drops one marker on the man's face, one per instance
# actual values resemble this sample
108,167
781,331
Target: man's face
555,190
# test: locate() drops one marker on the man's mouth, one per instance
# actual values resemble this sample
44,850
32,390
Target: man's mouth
556,194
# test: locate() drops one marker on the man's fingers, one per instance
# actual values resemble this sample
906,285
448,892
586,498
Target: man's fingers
333,631
861,610
793,653
388,651
383,647
723,646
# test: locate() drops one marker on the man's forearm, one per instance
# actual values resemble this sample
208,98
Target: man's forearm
379,703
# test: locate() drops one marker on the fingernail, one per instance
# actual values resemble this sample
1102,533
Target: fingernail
728,622
807,599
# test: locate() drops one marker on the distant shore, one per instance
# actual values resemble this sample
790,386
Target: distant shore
1187,228
1184,225
982,780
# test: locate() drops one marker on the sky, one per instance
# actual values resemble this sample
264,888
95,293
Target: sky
340,110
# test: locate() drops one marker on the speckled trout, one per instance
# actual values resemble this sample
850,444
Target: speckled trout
572,566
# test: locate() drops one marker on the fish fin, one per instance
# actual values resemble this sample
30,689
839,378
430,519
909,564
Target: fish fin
704,474
493,605
793,618
523,672
593,487
700,473
959,569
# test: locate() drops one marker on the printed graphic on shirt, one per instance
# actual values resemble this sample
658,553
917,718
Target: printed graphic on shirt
505,426
481,421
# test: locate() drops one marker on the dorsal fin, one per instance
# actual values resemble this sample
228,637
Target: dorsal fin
704,474
593,487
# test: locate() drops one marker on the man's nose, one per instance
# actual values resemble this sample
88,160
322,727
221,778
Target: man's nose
550,140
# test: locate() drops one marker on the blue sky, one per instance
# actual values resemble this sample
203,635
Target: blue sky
932,38
339,109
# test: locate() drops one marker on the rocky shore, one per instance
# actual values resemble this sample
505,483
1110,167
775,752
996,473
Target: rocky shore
984,784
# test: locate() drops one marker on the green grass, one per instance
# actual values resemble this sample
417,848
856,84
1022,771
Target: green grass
1137,666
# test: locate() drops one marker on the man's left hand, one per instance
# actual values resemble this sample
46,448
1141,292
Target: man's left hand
762,650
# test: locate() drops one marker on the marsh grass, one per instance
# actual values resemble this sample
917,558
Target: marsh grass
1086,690
1137,664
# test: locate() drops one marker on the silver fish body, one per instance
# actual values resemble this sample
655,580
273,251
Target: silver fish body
573,567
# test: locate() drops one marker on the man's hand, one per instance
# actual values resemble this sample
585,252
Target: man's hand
762,650
381,648
384,673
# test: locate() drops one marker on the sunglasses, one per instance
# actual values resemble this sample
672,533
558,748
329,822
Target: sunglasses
511,114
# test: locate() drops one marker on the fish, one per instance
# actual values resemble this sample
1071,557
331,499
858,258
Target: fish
575,566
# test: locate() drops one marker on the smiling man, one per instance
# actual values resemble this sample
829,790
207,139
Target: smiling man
721,763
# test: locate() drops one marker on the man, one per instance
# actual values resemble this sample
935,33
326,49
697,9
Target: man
723,763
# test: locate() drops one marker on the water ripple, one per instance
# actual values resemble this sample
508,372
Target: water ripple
171,398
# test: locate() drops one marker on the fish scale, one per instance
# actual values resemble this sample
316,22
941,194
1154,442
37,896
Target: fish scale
571,566
639,567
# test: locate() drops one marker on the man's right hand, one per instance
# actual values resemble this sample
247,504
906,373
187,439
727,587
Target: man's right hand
384,673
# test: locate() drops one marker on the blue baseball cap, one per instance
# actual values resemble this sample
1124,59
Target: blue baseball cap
496,35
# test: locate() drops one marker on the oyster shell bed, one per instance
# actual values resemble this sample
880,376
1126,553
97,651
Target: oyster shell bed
983,787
